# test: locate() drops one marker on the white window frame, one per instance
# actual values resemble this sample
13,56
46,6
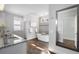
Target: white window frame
17,24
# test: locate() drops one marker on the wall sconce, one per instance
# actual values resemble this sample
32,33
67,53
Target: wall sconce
1,7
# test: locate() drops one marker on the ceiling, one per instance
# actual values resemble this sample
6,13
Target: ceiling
25,9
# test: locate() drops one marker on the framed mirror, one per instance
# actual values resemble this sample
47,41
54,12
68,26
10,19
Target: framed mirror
67,29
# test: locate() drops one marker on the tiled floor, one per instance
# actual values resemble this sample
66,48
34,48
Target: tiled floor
36,46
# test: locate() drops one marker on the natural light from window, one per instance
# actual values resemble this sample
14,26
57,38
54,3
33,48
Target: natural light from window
17,24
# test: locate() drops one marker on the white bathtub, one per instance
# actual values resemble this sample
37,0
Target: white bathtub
44,38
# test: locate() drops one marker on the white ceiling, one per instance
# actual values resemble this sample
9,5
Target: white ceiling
24,9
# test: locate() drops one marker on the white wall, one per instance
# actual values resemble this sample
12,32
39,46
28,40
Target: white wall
52,29
2,18
31,18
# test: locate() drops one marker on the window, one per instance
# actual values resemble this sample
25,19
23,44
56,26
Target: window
17,24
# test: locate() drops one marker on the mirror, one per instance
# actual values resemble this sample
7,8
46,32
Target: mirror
67,28
43,25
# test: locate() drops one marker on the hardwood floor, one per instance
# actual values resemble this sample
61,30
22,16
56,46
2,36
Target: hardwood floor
68,44
36,46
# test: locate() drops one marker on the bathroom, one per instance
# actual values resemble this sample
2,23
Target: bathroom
21,23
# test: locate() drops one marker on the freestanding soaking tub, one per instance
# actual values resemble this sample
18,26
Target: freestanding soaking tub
43,37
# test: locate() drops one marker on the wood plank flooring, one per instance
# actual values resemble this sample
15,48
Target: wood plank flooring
36,46
68,44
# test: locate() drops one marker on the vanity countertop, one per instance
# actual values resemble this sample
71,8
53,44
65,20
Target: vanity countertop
13,40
